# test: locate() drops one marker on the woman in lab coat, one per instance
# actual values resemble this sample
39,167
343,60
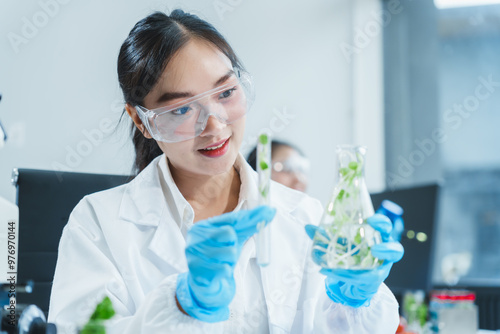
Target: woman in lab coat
174,248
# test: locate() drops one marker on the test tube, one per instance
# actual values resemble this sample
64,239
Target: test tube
264,172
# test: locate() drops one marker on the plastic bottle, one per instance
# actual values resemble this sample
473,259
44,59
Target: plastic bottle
453,311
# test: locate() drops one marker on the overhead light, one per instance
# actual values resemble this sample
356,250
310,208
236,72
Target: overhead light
463,3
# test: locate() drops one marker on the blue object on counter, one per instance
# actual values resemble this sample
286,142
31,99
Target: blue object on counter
394,212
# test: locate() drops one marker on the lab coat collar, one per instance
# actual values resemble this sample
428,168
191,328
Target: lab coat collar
138,204
248,193
153,197
146,202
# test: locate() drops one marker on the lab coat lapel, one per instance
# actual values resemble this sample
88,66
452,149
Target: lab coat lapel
169,244
144,204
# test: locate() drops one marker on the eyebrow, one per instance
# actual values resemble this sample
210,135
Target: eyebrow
168,96
224,78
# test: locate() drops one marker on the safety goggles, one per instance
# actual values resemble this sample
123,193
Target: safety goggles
294,164
188,118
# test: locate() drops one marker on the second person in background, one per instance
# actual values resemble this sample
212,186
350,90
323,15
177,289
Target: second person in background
289,165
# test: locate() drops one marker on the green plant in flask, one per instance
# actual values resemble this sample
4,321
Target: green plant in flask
344,239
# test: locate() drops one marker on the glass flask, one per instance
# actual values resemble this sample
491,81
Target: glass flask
344,239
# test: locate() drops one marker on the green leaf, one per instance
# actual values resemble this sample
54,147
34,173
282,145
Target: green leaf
422,314
263,139
340,195
263,165
104,310
353,165
94,327
357,238
344,171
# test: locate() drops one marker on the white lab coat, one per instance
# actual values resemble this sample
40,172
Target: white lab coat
128,243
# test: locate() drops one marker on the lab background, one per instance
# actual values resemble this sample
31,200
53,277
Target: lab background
417,82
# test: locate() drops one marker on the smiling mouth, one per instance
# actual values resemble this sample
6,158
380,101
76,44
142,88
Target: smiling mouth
214,147
218,150
211,148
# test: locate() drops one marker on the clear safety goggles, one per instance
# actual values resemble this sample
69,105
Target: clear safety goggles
294,164
188,118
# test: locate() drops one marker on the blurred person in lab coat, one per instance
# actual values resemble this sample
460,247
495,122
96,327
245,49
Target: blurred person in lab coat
289,165
174,249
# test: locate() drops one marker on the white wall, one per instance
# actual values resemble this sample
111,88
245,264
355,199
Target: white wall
61,84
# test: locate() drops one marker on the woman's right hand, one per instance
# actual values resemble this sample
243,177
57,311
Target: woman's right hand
213,247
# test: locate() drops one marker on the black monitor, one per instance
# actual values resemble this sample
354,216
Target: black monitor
414,271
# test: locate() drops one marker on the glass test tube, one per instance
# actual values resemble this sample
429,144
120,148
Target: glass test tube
264,172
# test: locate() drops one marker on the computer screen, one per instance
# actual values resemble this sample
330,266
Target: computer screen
413,272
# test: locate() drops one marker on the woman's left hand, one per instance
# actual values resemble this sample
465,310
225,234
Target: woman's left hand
356,287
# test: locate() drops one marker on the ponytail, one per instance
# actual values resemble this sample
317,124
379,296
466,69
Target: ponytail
145,149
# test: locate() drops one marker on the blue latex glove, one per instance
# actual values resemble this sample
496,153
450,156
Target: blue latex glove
356,287
213,247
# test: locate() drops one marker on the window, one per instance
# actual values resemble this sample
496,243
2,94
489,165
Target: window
442,102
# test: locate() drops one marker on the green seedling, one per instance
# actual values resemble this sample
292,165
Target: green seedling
103,311
346,234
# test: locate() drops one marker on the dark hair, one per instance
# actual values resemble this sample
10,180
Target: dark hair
145,54
252,156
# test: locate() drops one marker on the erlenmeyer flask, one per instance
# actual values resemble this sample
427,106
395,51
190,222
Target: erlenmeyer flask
344,239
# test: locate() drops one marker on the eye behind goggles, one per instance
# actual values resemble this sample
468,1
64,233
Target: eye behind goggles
187,119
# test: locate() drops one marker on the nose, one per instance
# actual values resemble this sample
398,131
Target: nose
213,127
